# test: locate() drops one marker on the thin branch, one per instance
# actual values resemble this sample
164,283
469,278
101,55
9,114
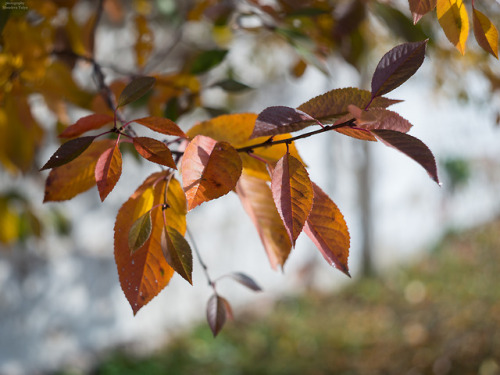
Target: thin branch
200,260
92,36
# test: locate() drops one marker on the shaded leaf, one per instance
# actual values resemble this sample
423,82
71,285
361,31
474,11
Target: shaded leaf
135,89
245,280
454,21
412,147
257,200
396,66
69,180
161,125
210,169
399,23
177,252
236,130
280,120
139,232
144,273
85,124
334,103
379,118
216,313
108,170
154,151
326,227
232,85
485,32
292,193
419,8
207,60
68,151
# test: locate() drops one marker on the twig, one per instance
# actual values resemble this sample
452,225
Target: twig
211,283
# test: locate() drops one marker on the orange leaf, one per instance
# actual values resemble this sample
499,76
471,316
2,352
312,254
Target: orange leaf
154,151
326,227
257,200
144,273
485,32
161,125
454,20
210,169
77,176
108,170
90,122
292,194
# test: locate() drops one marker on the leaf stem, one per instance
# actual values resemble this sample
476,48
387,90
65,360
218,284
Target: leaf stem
211,283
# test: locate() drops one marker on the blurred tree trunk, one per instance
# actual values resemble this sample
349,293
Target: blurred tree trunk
365,210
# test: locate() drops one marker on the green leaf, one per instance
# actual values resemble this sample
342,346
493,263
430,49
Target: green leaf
208,60
135,89
232,85
68,151
139,232
177,252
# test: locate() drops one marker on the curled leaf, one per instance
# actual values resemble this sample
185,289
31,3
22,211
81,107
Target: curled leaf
139,232
135,90
68,151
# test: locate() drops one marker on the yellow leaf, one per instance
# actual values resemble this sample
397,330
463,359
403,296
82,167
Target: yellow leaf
485,32
454,20
236,129
9,223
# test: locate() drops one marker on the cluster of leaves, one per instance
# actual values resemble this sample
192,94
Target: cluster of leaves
253,155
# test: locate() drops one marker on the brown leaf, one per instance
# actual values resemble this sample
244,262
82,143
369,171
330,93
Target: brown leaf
419,8
280,120
485,32
154,151
85,124
108,170
379,118
135,90
245,280
216,313
68,151
161,125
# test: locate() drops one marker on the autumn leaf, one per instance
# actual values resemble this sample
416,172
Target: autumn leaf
485,32
135,90
257,200
292,193
145,272
161,125
139,232
210,169
453,18
379,118
68,151
279,120
245,280
216,313
85,124
397,66
69,180
326,227
412,147
419,8
177,252
108,170
154,151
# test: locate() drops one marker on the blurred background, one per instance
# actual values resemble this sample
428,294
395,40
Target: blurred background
423,258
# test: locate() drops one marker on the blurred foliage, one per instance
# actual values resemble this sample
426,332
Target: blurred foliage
440,316
457,172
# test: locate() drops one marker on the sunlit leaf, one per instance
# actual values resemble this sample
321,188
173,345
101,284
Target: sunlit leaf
108,170
68,152
210,169
292,194
257,200
453,18
396,66
280,120
161,125
485,32
245,280
412,147
85,124
144,42
154,151
208,60
135,90
326,227
77,176
419,8
379,118
139,232
216,313
144,273
177,252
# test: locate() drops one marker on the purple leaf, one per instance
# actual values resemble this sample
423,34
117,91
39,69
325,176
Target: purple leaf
396,66
280,120
246,281
216,313
68,151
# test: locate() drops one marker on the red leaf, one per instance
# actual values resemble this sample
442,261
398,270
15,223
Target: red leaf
419,8
292,194
135,90
68,152
396,66
412,147
177,252
379,118
257,200
280,120
154,151
216,313
161,125
85,124
326,227
108,170
210,169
